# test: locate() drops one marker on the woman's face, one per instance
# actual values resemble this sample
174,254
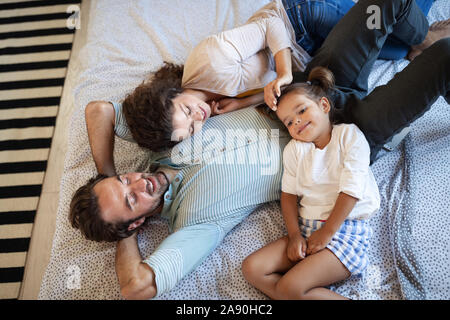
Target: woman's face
189,115
305,119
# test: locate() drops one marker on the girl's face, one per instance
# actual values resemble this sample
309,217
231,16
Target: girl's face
306,119
189,115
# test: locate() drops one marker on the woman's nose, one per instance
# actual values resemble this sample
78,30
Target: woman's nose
198,116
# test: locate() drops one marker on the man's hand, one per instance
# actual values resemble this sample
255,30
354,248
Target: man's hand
225,105
136,279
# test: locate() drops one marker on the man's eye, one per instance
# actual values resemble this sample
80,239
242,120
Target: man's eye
302,111
289,123
189,110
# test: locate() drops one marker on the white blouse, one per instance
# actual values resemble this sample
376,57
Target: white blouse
241,59
317,176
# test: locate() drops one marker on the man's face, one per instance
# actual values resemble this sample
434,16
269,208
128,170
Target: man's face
130,196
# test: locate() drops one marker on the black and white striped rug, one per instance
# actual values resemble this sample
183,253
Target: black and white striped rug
35,44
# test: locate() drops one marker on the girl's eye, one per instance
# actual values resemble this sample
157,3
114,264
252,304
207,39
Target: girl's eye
127,181
301,111
189,110
289,123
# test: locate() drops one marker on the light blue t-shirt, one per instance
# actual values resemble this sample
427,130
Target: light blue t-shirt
227,170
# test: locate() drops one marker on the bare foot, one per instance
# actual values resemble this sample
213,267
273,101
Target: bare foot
437,31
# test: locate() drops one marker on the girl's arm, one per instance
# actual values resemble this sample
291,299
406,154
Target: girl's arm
342,208
297,245
100,119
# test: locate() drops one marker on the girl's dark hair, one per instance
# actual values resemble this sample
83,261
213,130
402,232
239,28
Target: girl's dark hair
148,109
320,84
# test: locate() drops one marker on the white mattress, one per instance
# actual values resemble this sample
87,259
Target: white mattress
125,42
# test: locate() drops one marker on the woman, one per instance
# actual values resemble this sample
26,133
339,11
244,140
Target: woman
175,103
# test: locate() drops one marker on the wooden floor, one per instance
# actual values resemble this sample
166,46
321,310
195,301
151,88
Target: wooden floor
44,226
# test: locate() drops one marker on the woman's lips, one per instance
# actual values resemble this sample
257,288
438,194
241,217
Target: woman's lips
205,114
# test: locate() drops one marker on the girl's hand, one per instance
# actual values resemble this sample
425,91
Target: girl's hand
225,105
272,91
318,240
296,249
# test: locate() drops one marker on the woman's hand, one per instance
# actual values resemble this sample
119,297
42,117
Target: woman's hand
318,240
225,105
272,91
296,249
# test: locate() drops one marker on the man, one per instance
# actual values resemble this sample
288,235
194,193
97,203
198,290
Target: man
205,187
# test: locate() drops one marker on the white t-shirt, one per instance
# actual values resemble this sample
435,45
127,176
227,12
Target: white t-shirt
318,176
241,59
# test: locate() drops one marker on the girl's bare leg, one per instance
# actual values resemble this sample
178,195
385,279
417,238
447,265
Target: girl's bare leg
307,279
265,267
270,271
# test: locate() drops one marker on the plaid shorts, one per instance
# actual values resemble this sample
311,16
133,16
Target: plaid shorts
349,243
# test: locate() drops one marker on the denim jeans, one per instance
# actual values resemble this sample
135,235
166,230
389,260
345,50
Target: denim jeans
350,51
313,20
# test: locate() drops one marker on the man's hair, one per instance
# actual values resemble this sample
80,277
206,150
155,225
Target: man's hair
85,215
149,108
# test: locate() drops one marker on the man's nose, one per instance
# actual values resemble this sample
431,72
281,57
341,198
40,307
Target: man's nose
140,185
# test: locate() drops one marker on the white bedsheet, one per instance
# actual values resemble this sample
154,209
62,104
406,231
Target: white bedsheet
126,41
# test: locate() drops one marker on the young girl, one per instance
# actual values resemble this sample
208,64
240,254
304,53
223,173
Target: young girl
326,166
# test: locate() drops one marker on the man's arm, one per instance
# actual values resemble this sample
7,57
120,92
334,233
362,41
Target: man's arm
136,279
100,119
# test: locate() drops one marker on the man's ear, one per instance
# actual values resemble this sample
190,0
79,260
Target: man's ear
325,104
136,224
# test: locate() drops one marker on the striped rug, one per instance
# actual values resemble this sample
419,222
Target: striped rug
35,46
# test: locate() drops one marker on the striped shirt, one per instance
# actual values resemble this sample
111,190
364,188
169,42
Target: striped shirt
226,171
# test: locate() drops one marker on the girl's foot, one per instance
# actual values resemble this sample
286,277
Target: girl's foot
437,31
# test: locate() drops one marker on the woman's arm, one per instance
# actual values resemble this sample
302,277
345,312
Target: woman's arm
283,65
136,279
100,119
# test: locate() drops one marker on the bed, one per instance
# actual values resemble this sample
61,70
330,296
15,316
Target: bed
410,251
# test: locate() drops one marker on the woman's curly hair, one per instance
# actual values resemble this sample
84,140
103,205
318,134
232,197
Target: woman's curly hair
148,109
